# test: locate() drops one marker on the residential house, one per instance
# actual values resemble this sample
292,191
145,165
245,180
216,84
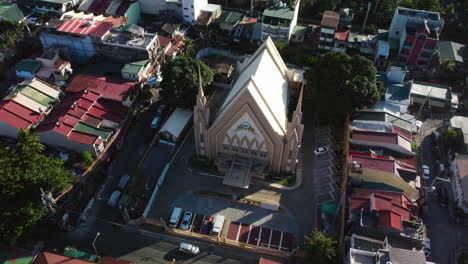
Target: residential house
341,39
15,255
385,213
228,21
175,126
191,9
414,35
56,6
137,70
53,66
298,34
386,172
346,17
110,88
459,181
83,121
128,10
432,95
329,25
383,120
460,123
26,105
252,125
453,51
249,29
363,43
279,21
27,68
393,144
129,43
77,35
208,14
10,11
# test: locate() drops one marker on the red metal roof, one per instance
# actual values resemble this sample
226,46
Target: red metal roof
378,164
52,258
374,136
163,41
17,115
82,107
267,261
392,206
107,87
85,27
402,132
342,33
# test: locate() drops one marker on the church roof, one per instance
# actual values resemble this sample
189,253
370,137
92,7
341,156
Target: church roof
266,78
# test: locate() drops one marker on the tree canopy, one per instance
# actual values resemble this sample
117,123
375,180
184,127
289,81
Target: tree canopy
320,249
339,83
23,171
179,86
11,33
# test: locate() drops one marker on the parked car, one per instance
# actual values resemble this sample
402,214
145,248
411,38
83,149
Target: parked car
175,217
207,225
160,110
426,172
114,198
155,122
189,248
123,182
185,225
320,150
443,197
435,137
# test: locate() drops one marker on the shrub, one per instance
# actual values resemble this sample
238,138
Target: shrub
87,157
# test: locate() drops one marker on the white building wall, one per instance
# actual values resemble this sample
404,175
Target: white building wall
6,130
294,20
191,9
54,139
81,48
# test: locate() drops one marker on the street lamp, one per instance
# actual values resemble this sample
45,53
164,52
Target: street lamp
94,243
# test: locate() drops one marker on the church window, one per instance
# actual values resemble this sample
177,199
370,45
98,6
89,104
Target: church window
235,148
226,147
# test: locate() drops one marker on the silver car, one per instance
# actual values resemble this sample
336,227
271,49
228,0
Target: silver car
186,219
189,248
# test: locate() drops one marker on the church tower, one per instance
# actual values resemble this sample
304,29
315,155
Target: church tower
294,137
201,119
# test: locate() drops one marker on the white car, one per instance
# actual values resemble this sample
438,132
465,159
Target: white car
320,150
185,225
426,172
189,248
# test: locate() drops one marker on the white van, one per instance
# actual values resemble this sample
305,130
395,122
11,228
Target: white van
155,122
218,225
175,216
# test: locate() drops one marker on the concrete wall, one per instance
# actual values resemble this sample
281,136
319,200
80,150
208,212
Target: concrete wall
155,7
54,139
133,13
81,49
7,130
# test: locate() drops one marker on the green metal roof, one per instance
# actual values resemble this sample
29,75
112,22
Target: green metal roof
27,66
80,255
10,11
83,127
229,17
134,67
35,95
299,30
279,12
328,208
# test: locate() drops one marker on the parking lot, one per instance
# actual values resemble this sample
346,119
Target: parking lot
324,168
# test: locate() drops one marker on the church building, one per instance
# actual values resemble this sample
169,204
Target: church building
253,134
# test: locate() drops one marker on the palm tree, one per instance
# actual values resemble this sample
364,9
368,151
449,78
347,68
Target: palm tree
447,65
28,141
189,47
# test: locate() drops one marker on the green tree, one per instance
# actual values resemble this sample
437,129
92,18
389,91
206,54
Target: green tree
324,5
371,29
87,157
189,48
179,86
429,5
11,32
24,170
320,249
339,83
447,65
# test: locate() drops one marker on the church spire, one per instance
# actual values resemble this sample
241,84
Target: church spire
201,99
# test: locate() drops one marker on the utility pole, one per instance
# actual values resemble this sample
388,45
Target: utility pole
94,243
365,19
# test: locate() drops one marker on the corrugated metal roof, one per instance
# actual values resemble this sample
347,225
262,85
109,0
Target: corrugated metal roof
108,87
85,27
10,11
279,12
177,121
